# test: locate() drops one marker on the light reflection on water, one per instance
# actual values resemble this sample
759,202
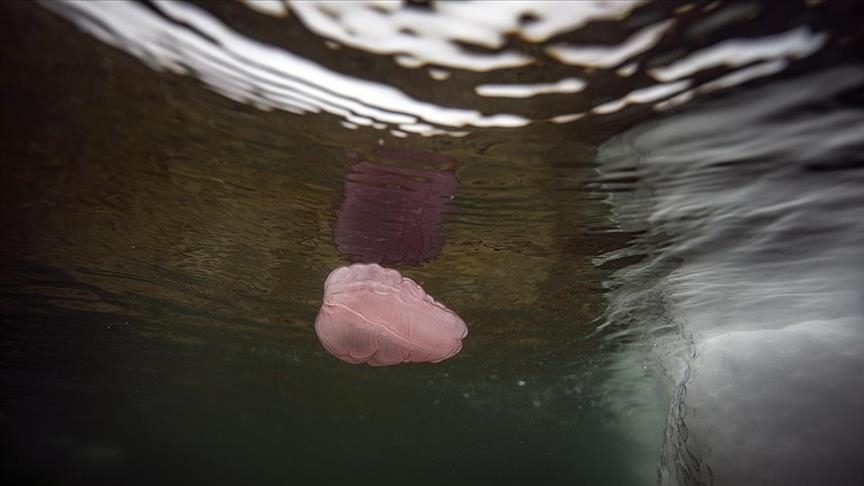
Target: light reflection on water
551,41
164,250
755,250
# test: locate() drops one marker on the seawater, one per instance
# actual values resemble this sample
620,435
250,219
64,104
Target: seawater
660,295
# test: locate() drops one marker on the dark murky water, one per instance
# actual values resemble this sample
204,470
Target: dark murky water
650,297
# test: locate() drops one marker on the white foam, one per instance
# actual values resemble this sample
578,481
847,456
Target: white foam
427,37
734,78
275,8
240,67
796,43
643,95
610,56
271,77
567,85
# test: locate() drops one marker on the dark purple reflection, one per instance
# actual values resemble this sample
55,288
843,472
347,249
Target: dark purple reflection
392,214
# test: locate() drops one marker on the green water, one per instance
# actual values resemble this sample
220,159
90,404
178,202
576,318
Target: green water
163,251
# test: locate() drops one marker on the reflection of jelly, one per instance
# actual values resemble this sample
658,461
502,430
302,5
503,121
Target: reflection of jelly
392,215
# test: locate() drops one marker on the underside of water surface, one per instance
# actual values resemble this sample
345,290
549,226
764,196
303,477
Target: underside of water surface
649,215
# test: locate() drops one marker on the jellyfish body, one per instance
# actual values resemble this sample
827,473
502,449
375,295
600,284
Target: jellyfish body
376,316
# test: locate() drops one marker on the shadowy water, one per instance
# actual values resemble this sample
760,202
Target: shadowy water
163,256
164,248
